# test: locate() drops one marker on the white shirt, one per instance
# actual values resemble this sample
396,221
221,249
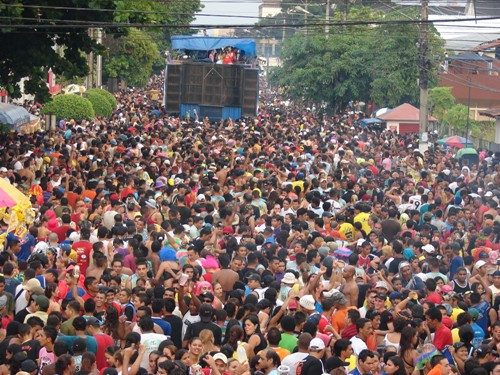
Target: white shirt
357,345
292,361
152,341
187,320
21,302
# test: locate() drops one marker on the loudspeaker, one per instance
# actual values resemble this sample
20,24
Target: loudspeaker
250,90
173,88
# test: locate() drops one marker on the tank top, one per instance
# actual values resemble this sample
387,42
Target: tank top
262,345
460,289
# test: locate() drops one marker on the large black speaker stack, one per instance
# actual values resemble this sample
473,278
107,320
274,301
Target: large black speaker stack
212,85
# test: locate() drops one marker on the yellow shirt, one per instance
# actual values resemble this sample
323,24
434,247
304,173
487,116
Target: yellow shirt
362,217
348,230
456,311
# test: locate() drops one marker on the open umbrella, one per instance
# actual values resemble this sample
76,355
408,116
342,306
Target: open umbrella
10,196
369,121
455,141
466,151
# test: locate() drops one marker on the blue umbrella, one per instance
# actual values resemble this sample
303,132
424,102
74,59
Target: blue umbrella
155,112
370,121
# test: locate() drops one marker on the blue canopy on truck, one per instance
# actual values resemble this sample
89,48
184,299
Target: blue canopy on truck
207,43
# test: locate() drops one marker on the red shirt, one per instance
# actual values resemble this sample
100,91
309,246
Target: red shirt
435,297
442,337
83,249
103,341
61,232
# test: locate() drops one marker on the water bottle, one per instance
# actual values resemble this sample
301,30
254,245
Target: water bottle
242,353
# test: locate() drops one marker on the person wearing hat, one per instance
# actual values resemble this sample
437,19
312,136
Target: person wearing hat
312,364
42,304
484,355
253,283
193,330
342,306
287,283
307,304
29,366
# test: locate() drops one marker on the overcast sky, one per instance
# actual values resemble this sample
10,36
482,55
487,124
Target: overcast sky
228,8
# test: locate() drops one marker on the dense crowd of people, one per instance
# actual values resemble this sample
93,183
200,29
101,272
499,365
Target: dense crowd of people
291,243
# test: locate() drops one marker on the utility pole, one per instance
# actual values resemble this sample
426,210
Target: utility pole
90,62
99,61
424,76
468,115
327,18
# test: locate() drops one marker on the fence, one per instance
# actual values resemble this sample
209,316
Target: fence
478,142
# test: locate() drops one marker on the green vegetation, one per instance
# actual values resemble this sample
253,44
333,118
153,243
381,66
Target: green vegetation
360,62
70,107
132,58
100,103
57,36
110,98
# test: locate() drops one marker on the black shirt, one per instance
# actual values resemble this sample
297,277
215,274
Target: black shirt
31,347
176,324
394,266
385,318
193,330
21,315
310,366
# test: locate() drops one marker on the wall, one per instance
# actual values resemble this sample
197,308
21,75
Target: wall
484,93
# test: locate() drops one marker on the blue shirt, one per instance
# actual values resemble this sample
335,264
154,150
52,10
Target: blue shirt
355,372
91,342
483,308
164,325
478,335
455,264
26,247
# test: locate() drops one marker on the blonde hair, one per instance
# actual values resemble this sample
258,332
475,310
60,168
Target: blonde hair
207,339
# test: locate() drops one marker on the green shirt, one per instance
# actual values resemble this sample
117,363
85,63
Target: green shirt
288,342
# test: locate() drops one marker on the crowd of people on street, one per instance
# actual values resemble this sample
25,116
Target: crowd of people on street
291,243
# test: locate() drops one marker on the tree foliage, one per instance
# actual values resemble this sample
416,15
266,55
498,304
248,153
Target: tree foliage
100,103
70,106
110,98
29,46
52,34
133,58
440,101
359,62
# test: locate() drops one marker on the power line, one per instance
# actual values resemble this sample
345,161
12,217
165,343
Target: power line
311,24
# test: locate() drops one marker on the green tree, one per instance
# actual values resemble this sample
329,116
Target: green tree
456,117
440,101
100,103
132,57
54,34
110,98
360,62
69,106
29,45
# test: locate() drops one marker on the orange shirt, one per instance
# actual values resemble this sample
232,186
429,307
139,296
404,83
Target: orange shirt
338,319
371,343
281,352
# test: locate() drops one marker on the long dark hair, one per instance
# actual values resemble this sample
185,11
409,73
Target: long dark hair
398,361
62,363
111,324
406,341
255,320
